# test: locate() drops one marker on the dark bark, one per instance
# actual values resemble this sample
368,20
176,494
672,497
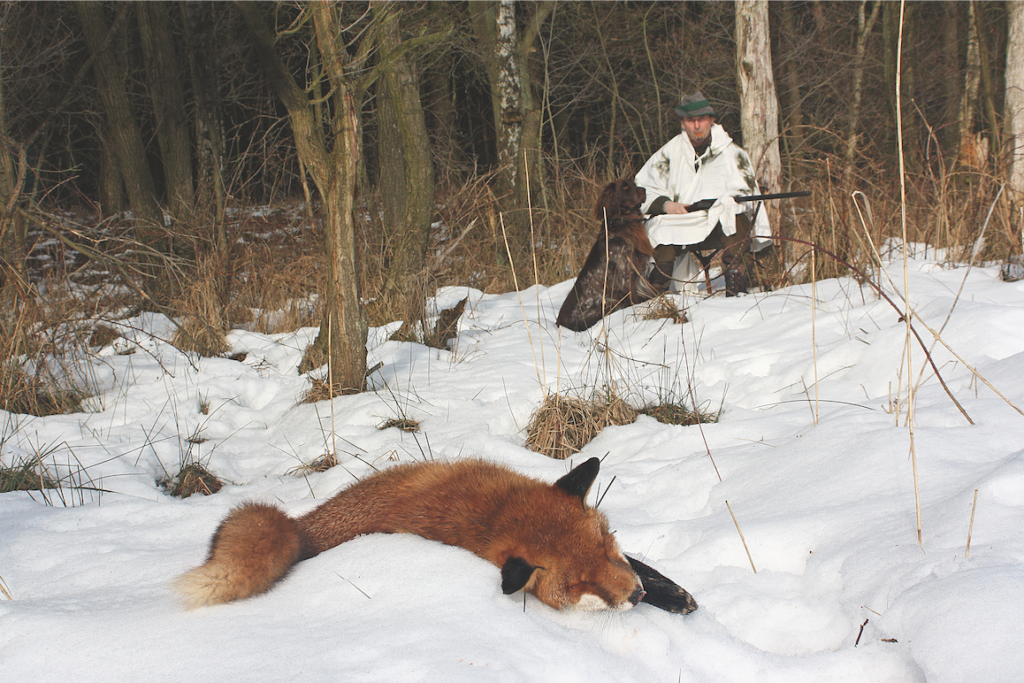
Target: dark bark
211,193
407,171
13,246
330,150
126,139
168,98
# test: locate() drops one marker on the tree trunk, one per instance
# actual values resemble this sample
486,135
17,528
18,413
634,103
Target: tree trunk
330,149
13,248
443,118
210,198
952,53
1014,103
987,87
407,170
972,151
531,169
168,97
794,130
759,104
864,28
517,119
127,140
111,188
891,29
495,27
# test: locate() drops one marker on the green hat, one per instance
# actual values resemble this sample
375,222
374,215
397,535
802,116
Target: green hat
694,104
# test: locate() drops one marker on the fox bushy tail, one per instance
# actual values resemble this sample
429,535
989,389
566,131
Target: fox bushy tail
254,547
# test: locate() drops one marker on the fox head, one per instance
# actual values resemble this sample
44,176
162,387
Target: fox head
567,557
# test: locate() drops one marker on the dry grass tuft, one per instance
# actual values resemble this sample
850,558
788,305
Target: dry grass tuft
196,335
43,351
26,474
193,478
678,414
103,335
321,464
321,390
404,423
37,394
664,307
563,425
275,290
203,328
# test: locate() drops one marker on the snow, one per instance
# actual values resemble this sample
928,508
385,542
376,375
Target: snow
812,449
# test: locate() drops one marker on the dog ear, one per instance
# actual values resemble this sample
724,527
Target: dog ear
579,480
608,202
515,574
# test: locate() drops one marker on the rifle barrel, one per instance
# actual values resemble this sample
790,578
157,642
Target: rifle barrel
777,195
705,204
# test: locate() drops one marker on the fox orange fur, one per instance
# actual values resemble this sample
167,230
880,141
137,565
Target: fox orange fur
543,536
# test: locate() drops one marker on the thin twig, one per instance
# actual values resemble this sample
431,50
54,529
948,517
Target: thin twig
355,586
970,529
5,590
814,331
860,633
743,540
906,268
601,497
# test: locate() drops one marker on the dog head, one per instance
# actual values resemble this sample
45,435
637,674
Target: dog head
620,198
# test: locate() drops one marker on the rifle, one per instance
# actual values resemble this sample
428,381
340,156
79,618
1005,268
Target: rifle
705,204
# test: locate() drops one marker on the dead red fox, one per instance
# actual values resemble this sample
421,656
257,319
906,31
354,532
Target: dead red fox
543,536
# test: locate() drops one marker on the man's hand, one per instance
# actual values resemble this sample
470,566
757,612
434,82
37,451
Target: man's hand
675,207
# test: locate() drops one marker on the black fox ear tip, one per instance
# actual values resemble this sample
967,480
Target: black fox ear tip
515,574
661,591
580,478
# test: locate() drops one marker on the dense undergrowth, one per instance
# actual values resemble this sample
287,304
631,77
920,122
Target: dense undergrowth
63,306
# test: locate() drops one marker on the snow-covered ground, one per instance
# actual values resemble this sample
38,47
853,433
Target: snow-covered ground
812,453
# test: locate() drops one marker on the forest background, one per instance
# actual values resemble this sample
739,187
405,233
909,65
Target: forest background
283,165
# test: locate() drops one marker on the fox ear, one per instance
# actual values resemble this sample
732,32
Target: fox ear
579,480
515,574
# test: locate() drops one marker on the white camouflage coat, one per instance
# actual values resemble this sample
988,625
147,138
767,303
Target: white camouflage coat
724,170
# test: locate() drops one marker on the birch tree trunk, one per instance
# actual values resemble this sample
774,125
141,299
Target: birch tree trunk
759,103
516,119
1014,102
508,93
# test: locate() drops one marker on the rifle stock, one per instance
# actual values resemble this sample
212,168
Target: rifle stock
705,204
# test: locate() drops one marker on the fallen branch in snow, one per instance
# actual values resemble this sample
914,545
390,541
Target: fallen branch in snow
860,632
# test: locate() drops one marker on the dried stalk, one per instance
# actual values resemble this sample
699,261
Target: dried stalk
743,540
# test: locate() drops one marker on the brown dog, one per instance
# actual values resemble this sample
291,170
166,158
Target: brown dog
614,274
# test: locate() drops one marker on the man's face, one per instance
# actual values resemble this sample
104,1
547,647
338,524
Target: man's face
698,128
